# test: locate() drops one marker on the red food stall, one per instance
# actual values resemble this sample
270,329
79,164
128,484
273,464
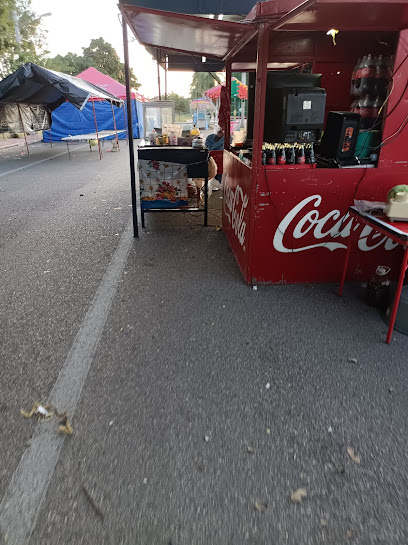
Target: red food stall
290,223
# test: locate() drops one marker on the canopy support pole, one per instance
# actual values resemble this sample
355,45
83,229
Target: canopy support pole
124,119
165,77
114,124
260,94
96,128
244,81
228,75
158,73
130,128
22,125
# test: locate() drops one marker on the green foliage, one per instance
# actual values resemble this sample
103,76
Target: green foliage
99,54
71,64
31,49
181,104
202,81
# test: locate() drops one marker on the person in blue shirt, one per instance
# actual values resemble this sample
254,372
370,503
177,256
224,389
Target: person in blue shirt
215,142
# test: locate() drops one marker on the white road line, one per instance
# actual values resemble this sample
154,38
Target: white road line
36,162
25,495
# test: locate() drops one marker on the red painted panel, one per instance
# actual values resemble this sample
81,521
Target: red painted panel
300,232
236,209
217,155
395,152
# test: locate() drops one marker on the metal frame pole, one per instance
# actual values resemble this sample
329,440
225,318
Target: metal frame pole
158,73
96,128
165,77
260,94
130,128
22,125
228,73
114,124
404,266
124,119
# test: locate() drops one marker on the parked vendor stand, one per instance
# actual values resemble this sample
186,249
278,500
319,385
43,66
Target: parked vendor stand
290,223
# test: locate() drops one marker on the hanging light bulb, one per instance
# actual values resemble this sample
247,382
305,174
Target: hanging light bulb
332,32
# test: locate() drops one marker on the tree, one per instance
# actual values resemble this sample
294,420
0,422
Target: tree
31,48
99,54
200,83
181,104
71,64
102,56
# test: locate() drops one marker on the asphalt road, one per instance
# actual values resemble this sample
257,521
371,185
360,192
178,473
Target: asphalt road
204,398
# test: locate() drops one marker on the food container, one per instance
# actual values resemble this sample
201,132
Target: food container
198,143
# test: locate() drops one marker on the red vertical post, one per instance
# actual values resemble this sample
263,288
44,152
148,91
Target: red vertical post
96,128
114,124
227,136
259,120
260,94
397,295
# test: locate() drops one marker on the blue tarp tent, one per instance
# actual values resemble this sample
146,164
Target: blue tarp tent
69,121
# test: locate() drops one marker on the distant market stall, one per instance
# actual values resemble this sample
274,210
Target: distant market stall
32,86
69,121
238,90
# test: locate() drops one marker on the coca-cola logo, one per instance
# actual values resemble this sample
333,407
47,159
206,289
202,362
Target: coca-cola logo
235,203
328,229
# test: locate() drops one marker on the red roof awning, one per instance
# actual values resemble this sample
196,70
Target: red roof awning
185,33
217,39
311,15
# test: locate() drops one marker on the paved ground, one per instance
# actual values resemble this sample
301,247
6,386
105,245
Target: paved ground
186,354
6,143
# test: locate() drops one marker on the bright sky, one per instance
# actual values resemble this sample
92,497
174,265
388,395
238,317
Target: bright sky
74,24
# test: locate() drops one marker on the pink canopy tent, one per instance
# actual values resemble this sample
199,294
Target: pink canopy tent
107,83
238,89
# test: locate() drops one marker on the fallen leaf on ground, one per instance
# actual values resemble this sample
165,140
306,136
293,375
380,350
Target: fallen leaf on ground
268,431
323,522
250,450
43,411
349,534
218,228
96,507
352,360
260,506
353,456
298,495
65,425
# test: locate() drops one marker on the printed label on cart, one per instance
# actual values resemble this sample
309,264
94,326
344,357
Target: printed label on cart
307,104
328,229
235,203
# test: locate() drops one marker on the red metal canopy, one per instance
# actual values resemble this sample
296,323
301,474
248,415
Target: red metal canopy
224,39
323,15
184,33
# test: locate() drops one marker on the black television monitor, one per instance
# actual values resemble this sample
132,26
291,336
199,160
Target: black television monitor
294,108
